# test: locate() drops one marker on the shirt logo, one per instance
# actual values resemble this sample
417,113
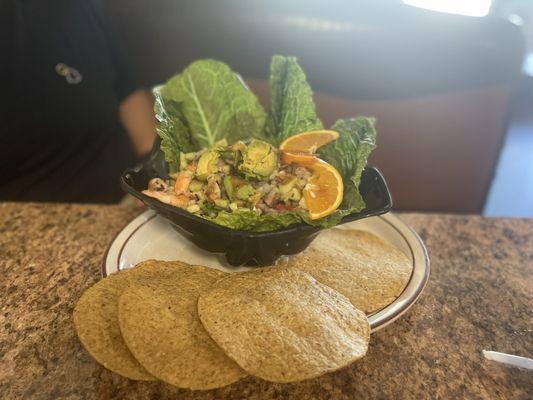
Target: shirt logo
71,74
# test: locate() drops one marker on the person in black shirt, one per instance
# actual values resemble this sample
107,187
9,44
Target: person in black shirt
72,116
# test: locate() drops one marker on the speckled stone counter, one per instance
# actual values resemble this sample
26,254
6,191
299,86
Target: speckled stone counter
480,296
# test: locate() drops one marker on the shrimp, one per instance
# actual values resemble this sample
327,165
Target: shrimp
181,201
182,182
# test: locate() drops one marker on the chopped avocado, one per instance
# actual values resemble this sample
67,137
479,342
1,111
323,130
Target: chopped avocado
295,194
228,185
183,161
254,199
260,159
237,188
244,192
196,186
188,156
222,203
193,208
287,185
207,164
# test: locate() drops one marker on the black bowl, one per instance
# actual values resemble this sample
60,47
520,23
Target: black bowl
246,247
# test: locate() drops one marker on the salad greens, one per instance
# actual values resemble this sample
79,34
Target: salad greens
208,103
349,154
249,220
215,103
172,129
292,109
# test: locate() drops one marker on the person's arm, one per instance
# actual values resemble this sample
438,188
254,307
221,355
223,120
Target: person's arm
136,114
136,105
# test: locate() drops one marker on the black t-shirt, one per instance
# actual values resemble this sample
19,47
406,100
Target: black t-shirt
63,77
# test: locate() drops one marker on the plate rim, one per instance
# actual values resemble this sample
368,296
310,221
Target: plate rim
380,318
389,316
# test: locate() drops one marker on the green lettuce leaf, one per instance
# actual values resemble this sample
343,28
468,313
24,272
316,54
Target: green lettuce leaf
216,103
292,109
250,221
352,200
349,154
172,129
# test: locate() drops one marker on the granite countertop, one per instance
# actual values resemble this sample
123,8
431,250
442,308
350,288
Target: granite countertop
480,296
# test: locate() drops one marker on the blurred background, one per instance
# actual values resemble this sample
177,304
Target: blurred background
450,81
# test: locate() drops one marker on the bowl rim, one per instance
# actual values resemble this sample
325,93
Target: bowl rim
300,227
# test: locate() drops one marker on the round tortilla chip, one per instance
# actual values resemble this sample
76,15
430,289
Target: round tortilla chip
160,325
96,322
282,325
368,271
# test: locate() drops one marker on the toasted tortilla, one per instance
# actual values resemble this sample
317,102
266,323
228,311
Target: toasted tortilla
282,325
368,271
96,322
159,322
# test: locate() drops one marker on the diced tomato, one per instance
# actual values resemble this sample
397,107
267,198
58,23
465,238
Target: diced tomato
285,206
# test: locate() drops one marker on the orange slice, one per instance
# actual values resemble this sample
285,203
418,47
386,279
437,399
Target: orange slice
324,191
293,157
308,142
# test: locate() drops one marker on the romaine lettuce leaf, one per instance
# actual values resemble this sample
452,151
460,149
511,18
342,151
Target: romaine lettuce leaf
349,155
352,200
172,129
216,103
251,221
292,109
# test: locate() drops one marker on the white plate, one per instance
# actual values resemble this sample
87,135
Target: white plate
152,237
